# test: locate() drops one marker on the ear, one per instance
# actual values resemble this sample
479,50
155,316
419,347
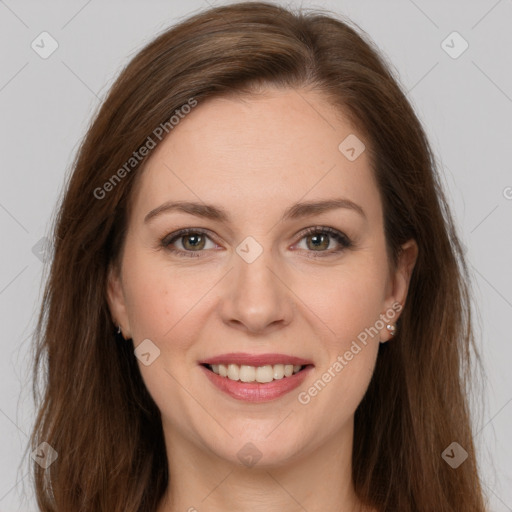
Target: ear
116,301
398,286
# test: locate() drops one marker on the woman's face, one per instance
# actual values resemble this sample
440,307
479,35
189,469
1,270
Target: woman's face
249,279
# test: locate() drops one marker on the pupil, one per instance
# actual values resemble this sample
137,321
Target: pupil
317,240
196,240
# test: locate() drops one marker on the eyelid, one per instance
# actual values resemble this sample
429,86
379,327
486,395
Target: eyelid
334,233
176,235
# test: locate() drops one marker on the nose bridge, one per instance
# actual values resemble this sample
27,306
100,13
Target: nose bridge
256,297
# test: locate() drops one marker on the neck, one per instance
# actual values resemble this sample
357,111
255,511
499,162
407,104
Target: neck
318,479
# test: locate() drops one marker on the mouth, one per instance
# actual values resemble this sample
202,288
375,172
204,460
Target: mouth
255,374
256,384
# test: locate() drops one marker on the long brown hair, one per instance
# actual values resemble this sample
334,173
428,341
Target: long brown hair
95,411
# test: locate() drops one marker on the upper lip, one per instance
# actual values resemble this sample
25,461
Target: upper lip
241,358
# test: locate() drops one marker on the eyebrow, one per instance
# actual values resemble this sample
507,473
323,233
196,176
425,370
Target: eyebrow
217,213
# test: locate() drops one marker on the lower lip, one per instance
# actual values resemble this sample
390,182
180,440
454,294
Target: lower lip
255,391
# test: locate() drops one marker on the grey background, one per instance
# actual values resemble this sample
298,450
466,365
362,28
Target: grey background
464,103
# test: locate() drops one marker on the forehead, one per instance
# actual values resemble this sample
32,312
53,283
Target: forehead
259,152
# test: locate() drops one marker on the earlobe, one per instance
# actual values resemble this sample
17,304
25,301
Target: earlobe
116,302
399,287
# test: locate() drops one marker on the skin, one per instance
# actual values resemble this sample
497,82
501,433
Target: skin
255,156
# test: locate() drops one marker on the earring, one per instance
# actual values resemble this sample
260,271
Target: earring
391,328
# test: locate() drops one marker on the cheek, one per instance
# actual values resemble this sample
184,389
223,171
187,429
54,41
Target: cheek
349,306
149,308
159,298
348,300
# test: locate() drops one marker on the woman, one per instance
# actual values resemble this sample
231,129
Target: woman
258,299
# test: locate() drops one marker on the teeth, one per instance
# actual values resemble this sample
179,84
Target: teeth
261,374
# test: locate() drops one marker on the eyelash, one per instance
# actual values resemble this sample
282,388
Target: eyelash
341,238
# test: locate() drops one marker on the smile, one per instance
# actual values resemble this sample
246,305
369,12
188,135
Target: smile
265,389
260,374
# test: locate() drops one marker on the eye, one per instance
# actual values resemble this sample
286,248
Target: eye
191,240
194,241
318,239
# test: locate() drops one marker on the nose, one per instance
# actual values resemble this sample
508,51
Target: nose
256,297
